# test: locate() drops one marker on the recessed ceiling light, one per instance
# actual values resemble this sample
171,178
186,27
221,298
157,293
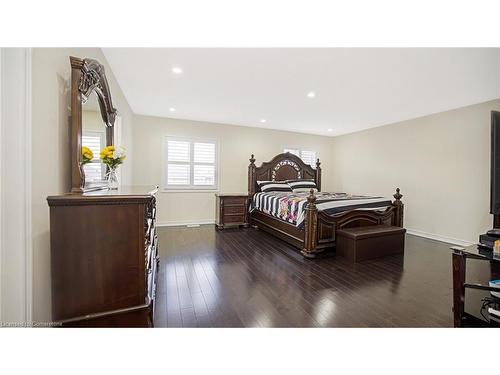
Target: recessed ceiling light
330,130
171,109
311,94
176,70
263,120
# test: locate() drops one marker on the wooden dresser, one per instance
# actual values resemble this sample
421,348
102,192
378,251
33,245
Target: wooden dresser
104,258
231,209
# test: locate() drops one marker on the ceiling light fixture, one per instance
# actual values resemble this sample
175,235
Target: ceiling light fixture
171,109
311,94
330,130
176,70
263,120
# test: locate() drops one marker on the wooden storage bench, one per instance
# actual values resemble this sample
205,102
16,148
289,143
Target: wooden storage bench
362,243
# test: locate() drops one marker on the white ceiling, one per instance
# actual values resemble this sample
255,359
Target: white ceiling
355,88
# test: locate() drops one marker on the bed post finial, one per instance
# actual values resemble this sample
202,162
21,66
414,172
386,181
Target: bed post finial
399,209
251,177
318,163
398,195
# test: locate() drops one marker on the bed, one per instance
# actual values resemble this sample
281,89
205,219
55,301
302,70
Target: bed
310,220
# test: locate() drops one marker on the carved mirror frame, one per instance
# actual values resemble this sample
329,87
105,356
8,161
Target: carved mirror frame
87,76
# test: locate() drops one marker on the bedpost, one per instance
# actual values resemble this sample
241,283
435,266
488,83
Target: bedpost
399,206
251,177
310,223
318,174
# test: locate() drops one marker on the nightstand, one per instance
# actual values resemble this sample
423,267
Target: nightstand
231,209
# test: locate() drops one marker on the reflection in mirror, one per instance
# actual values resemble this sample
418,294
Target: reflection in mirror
93,137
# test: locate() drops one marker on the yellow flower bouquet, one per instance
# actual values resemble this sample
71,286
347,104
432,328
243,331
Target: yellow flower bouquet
112,159
87,155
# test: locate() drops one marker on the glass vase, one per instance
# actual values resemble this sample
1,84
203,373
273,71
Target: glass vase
112,179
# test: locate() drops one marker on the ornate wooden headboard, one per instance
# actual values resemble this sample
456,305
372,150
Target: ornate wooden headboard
282,167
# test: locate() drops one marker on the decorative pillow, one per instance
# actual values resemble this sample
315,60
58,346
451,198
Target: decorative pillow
267,186
302,186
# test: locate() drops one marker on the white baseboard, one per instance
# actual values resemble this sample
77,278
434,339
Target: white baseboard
184,223
438,237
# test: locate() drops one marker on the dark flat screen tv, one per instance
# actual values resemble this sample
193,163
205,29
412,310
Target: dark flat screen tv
495,163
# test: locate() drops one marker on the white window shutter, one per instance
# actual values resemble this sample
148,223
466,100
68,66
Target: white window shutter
204,175
178,174
309,157
204,152
191,164
204,168
178,151
94,143
294,151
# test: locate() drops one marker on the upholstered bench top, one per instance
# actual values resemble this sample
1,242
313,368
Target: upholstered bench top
359,233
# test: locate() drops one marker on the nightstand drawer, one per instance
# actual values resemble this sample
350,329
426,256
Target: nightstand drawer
234,209
231,219
233,200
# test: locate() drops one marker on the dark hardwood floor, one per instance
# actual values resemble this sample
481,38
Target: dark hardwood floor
247,278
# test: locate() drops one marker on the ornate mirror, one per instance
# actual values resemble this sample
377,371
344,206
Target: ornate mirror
92,120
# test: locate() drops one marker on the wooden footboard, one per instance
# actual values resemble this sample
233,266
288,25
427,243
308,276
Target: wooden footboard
320,228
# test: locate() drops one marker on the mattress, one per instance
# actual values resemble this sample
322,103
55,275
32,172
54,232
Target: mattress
290,206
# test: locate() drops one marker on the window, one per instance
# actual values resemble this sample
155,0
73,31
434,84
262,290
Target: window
294,151
190,164
95,171
308,157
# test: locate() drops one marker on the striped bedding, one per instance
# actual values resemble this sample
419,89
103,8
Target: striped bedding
290,206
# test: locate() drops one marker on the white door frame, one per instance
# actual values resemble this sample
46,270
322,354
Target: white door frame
16,257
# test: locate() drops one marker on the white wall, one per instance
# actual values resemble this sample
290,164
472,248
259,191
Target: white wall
441,163
50,153
236,144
